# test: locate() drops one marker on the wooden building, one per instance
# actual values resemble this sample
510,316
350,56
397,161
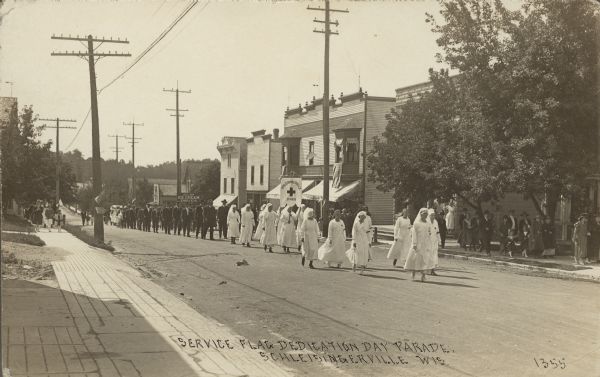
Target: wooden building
233,152
263,165
354,120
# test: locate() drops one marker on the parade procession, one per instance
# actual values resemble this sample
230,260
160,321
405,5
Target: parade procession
318,188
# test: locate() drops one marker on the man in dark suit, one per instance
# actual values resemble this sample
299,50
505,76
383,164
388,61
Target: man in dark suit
167,218
486,227
176,212
198,219
186,218
209,220
222,216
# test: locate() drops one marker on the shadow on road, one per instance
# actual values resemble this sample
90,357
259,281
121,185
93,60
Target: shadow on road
449,284
382,277
456,277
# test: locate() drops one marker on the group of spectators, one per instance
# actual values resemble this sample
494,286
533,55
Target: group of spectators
45,215
527,236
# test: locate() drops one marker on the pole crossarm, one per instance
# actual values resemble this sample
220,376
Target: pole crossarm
83,54
85,39
329,10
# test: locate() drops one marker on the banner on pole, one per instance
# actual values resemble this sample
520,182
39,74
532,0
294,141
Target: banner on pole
291,191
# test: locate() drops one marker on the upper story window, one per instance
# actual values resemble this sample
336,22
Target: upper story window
352,154
252,175
224,185
262,174
284,156
311,152
233,185
228,160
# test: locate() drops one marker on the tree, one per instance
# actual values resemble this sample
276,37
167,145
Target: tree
534,74
144,192
206,183
438,146
520,115
28,165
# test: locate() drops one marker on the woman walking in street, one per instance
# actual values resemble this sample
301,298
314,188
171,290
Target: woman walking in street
287,233
299,220
420,240
259,228
310,237
434,244
401,245
247,225
233,223
269,233
358,254
333,250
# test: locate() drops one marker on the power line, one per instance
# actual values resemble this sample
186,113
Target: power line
154,43
137,59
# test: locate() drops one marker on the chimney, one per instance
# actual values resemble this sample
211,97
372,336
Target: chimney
275,134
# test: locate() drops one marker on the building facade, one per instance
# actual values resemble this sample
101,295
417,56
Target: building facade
233,152
354,120
263,165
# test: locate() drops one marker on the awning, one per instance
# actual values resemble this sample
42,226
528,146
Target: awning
307,184
335,194
229,197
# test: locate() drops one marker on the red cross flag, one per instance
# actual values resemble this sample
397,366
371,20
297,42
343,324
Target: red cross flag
291,192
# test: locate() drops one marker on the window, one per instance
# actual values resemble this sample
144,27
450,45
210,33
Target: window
252,175
351,152
233,185
311,153
224,185
229,160
284,156
262,174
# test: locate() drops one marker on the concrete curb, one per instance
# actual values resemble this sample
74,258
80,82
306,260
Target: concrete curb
547,270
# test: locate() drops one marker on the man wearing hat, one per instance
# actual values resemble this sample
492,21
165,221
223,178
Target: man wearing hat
208,220
487,231
222,217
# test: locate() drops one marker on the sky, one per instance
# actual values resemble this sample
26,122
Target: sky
244,62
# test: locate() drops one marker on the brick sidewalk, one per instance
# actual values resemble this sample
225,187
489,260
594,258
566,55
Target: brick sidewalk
104,319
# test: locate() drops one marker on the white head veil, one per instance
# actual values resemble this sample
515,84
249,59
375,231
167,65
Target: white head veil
232,209
307,212
357,218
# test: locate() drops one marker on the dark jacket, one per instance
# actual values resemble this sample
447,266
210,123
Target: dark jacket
222,214
209,214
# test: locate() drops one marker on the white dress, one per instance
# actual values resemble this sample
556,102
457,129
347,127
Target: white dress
418,254
450,218
434,242
259,228
300,219
333,250
287,232
310,234
247,225
401,245
233,224
269,235
360,236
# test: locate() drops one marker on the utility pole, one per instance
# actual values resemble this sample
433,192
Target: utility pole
92,57
116,148
58,128
133,141
177,116
327,32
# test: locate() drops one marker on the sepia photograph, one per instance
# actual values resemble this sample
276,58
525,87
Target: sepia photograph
336,188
